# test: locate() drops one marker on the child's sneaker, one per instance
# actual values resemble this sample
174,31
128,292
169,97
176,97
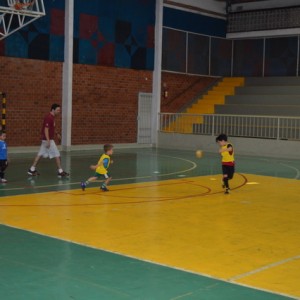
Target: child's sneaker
33,173
3,180
83,185
104,188
63,174
227,191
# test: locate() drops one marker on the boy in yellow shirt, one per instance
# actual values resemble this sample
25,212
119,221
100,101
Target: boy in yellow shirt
227,153
101,169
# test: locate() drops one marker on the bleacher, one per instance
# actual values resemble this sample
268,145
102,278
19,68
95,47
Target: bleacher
254,107
263,107
269,96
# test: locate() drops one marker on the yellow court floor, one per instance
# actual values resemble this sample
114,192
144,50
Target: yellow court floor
249,237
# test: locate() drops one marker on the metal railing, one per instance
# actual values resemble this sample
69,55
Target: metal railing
266,127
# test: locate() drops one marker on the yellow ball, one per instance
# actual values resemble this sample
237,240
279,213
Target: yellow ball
199,153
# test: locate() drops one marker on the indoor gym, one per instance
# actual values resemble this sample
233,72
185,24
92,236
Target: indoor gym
165,230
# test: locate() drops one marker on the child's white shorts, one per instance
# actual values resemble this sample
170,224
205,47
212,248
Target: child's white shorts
50,152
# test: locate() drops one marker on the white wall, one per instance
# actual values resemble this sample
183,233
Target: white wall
243,146
210,5
220,6
264,5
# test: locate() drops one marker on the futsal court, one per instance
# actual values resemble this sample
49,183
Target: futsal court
165,230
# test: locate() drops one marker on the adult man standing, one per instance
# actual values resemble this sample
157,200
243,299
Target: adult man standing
48,147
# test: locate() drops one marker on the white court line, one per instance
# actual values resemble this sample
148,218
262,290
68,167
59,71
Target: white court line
194,165
267,267
291,167
153,262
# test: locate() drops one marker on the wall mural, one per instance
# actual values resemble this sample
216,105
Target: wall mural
113,33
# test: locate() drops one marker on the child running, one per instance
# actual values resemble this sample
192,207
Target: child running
101,169
227,153
3,156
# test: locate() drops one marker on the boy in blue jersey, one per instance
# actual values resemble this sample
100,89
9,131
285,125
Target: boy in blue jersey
101,169
3,156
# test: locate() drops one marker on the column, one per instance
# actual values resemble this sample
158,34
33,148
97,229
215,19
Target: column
156,84
67,83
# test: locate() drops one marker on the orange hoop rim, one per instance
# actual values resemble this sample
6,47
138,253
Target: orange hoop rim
19,6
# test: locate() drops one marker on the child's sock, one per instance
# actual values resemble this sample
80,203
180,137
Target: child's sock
225,180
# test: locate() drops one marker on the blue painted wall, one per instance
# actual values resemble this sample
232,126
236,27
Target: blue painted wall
193,22
114,33
42,39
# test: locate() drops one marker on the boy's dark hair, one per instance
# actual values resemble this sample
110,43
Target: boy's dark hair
54,106
221,137
107,147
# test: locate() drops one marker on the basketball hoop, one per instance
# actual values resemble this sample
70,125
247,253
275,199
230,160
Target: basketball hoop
16,14
21,5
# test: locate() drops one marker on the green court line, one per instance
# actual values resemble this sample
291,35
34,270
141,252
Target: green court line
35,267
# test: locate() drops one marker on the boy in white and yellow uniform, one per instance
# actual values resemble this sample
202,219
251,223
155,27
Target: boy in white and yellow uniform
228,163
101,169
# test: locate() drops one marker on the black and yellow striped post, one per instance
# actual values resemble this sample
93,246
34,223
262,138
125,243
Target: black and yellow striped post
3,123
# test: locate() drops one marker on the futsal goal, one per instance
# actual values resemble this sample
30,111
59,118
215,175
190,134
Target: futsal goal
3,116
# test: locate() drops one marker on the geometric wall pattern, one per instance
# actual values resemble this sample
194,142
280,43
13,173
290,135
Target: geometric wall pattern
113,33
43,39
120,33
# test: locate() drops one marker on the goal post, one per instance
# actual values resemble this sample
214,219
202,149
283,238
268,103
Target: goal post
3,117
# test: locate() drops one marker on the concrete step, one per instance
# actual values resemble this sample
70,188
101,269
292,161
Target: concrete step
201,109
213,96
234,80
212,101
268,90
229,90
261,110
219,93
274,81
263,100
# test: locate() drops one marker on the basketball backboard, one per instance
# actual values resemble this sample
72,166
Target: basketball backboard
16,14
